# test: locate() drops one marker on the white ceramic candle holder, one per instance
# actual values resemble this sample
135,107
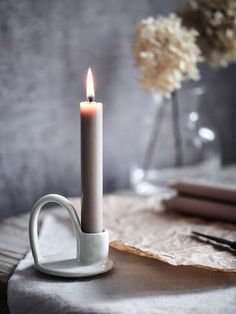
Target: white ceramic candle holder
92,248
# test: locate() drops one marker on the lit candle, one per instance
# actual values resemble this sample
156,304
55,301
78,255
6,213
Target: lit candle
91,161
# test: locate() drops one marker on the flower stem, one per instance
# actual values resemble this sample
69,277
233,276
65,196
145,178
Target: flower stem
176,130
150,150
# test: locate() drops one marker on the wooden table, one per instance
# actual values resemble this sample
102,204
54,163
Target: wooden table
14,242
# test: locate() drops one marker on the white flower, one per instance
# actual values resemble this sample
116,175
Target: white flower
216,23
229,33
167,53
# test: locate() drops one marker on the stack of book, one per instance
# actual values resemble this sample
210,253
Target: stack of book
205,199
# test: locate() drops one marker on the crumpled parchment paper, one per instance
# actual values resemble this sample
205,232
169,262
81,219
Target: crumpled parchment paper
141,226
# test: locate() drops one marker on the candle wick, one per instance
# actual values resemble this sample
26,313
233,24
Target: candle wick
90,98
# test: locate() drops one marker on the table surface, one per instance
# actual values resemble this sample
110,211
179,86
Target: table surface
14,242
13,246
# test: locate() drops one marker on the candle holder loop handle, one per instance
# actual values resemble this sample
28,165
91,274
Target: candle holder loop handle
33,223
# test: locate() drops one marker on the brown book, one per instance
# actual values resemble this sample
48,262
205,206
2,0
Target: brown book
203,208
205,189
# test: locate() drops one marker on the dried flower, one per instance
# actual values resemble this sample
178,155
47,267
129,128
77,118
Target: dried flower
167,53
216,23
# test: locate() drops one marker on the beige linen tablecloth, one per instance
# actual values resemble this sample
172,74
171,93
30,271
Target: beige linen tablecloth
135,285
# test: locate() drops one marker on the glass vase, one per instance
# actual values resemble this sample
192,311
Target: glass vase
178,144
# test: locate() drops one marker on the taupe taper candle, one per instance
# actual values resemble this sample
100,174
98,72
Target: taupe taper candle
91,161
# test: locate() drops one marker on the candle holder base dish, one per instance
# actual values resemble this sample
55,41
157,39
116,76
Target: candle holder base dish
92,248
58,266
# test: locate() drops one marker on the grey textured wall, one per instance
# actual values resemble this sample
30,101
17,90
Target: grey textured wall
45,50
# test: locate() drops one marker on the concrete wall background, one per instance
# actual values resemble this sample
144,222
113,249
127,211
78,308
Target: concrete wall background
46,48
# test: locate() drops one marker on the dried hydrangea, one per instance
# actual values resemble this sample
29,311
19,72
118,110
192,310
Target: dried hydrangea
216,23
167,53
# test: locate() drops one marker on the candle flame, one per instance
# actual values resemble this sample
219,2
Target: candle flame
90,86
